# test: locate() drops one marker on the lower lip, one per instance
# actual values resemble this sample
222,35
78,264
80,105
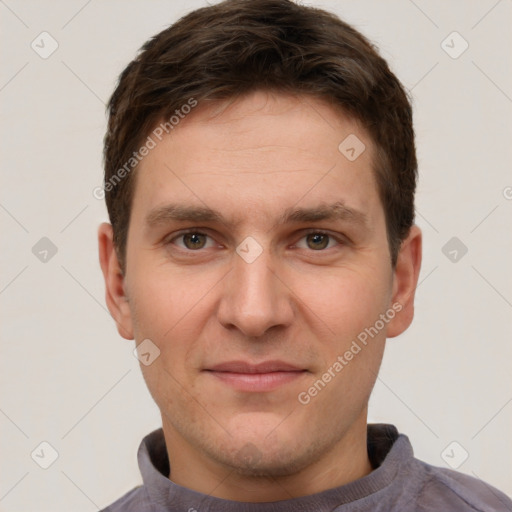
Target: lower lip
257,382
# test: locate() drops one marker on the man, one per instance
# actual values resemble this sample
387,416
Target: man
260,172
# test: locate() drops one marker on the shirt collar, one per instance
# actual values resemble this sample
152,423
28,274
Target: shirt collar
387,450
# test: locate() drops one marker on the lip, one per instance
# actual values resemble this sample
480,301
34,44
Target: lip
260,377
263,367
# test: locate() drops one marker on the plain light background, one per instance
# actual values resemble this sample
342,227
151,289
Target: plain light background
69,379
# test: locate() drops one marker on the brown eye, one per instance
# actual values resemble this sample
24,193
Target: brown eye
317,241
194,240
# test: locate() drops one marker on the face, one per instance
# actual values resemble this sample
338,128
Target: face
256,256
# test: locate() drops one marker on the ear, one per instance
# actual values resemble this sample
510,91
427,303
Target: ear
115,296
405,281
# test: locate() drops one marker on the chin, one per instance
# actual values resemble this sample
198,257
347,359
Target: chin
265,459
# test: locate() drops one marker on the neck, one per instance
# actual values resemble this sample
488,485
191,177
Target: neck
345,462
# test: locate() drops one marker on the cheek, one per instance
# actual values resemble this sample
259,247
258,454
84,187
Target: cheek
342,316
167,311
172,308
345,302
163,299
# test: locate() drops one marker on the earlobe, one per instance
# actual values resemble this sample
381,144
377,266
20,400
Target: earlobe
115,296
405,281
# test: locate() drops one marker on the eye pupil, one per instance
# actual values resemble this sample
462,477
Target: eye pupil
194,240
315,241
318,241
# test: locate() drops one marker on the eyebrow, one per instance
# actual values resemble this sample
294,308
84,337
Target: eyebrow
335,211
176,212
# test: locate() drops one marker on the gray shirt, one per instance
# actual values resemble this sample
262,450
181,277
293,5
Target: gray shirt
399,482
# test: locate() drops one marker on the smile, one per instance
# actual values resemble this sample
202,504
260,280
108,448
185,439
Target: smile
255,378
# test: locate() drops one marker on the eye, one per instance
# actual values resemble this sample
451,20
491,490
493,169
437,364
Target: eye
317,241
192,241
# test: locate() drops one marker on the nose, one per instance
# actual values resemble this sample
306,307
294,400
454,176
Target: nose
255,298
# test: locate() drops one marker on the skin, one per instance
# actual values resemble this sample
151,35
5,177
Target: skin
303,300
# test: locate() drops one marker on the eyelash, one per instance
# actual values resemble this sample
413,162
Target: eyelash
196,231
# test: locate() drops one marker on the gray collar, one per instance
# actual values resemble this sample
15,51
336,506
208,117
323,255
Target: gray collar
387,450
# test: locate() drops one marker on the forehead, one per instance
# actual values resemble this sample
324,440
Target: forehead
261,154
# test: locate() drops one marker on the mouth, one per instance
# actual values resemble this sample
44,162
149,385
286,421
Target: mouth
256,378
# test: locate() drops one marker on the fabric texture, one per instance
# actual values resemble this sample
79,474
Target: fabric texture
399,482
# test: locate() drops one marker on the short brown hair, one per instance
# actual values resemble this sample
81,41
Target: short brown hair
235,47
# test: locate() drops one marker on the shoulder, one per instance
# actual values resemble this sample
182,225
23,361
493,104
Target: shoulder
445,489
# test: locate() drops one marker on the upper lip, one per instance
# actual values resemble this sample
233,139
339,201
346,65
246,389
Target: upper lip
263,367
